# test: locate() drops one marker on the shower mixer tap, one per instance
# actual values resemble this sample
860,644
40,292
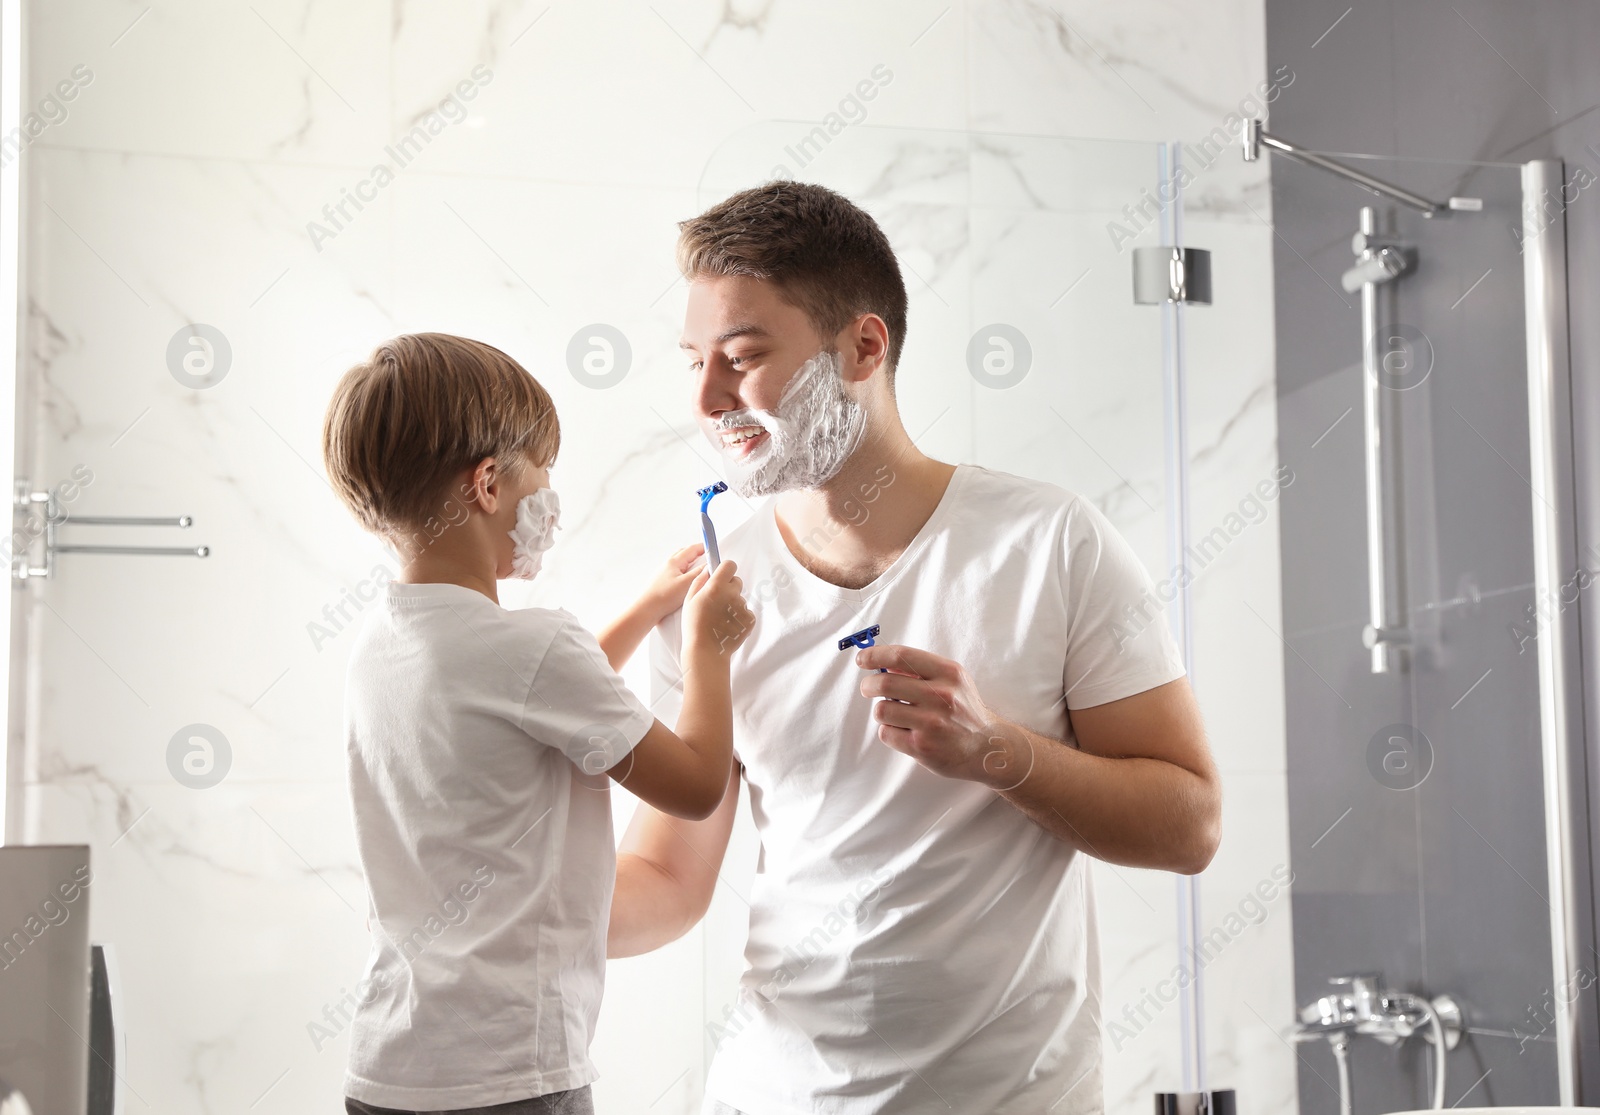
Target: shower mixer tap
1359,1005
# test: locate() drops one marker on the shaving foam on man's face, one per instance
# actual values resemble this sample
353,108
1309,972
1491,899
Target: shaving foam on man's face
802,443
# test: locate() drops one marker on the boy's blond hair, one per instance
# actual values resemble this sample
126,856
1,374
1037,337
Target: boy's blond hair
421,409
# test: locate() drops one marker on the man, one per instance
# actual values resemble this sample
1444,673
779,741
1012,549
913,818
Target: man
922,933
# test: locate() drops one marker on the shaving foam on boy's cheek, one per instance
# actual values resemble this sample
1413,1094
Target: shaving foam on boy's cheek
538,516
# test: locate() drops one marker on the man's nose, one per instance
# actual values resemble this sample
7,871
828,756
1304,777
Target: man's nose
716,390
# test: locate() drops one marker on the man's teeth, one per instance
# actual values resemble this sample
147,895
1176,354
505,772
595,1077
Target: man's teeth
738,437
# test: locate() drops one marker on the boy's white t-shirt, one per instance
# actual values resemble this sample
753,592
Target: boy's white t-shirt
478,739
916,944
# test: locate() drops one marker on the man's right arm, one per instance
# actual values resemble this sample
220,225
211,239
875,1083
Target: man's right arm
666,873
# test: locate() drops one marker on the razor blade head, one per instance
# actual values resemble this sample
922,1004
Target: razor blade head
707,492
863,638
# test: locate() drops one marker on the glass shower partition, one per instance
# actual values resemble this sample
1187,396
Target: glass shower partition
1431,779
1027,354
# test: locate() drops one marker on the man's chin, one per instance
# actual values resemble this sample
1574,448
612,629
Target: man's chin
778,474
767,479
754,486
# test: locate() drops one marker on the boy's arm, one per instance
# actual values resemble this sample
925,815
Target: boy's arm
622,636
685,772
667,870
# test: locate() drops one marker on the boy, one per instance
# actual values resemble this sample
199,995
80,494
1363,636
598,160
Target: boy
479,740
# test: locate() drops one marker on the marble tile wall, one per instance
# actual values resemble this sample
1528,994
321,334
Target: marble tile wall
196,178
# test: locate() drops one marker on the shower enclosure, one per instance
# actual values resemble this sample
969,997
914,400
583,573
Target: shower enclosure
1436,819
1437,779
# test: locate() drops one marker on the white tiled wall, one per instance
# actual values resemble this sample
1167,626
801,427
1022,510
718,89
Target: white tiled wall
179,189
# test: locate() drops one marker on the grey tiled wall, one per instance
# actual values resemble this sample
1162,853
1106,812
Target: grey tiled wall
1441,887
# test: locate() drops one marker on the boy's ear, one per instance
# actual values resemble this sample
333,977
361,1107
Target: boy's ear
483,485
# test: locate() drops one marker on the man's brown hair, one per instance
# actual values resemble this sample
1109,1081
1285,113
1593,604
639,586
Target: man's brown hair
824,253
422,408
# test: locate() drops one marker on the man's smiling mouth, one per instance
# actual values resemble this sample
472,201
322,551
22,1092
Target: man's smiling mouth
741,441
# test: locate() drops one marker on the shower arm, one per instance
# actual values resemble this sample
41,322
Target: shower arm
1255,138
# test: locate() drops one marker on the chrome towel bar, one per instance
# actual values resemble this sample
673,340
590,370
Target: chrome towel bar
55,516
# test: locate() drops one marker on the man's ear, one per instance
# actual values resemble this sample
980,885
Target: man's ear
482,486
864,347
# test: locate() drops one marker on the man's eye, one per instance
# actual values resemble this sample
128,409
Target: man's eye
694,366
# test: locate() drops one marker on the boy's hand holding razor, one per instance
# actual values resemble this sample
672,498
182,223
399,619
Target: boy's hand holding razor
670,588
685,771
683,571
715,617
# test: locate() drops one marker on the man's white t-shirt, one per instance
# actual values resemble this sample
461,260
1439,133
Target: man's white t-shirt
477,742
916,943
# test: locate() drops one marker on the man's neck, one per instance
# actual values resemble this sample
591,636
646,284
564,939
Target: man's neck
851,529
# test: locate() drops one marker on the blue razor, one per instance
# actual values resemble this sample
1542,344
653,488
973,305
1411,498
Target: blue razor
713,558
866,637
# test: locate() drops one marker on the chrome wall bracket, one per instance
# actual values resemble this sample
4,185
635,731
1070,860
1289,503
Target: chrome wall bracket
1170,274
30,506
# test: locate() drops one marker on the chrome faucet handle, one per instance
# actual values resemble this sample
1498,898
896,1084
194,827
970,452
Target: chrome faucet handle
1327,1011
1365,990
1360,983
